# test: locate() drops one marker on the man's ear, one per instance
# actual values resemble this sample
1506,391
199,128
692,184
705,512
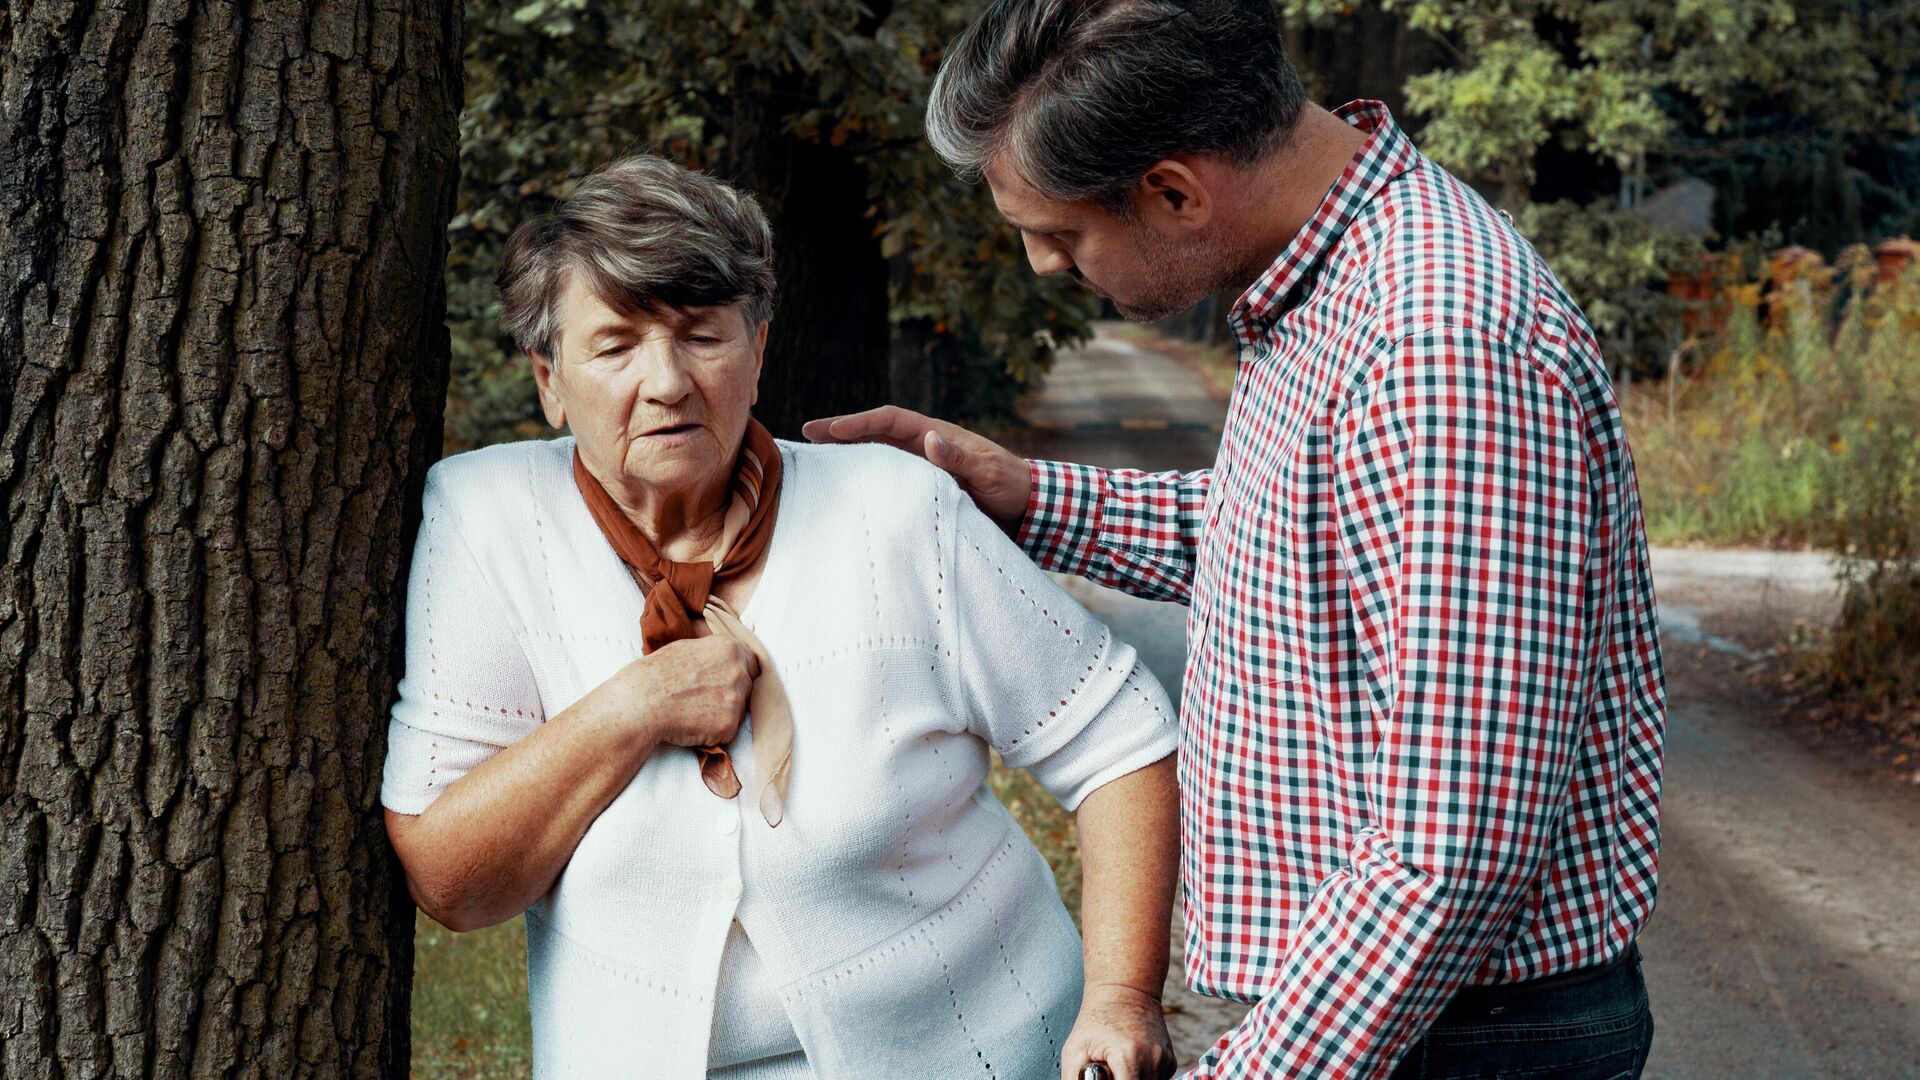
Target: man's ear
1175,194
550,403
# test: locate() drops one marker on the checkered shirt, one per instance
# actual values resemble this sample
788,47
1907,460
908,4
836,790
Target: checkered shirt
1423,712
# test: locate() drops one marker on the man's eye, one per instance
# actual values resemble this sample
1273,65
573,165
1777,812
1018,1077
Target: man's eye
704,339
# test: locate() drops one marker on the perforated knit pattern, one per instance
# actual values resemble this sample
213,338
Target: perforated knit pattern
898,895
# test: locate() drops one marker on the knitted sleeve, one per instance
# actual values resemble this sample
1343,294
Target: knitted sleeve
468,689
1044,681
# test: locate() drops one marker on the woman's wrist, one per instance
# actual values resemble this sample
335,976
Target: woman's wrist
621,712
1136,989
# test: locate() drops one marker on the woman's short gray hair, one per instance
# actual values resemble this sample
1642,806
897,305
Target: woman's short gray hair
1085,95
644,233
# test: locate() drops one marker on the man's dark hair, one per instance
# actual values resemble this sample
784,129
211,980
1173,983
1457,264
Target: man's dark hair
1085,95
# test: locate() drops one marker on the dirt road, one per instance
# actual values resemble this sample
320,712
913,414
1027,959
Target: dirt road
1787,938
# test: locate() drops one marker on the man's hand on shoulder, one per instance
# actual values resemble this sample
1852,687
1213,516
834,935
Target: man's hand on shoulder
997,478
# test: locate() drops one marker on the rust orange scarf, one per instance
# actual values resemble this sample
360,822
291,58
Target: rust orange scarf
681,604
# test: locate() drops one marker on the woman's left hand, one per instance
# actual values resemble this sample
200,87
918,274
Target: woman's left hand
1122,1028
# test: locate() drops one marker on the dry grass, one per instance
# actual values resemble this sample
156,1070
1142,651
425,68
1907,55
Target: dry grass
1799,425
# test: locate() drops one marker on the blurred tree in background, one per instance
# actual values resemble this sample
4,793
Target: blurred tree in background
897,280
1798,117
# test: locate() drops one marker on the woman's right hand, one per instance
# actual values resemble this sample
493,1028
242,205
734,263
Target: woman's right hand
691,692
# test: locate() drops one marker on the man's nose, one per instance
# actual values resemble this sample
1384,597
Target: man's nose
1046,257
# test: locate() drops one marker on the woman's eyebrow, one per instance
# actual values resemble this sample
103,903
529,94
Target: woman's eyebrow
609,330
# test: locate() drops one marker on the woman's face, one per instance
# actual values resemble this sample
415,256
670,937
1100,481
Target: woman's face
657,403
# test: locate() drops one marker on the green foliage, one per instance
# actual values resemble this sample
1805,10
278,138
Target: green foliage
1607,257
1490,118
558,87
1597,101
1614,78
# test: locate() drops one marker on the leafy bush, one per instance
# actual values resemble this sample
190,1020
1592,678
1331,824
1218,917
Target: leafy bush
1613,261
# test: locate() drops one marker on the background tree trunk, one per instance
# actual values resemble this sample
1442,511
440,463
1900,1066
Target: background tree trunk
829,349
222,232
1369,52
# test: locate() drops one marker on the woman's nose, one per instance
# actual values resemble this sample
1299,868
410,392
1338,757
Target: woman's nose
663,373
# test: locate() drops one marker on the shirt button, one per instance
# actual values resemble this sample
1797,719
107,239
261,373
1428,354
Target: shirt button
730,889
727,826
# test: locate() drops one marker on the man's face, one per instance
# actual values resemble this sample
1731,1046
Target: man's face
1148,271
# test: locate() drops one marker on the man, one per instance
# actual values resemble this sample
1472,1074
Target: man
1422,726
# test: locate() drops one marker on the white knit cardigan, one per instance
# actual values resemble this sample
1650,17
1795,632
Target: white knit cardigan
900,915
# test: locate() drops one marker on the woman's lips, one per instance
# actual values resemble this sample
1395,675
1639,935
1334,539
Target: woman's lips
676,433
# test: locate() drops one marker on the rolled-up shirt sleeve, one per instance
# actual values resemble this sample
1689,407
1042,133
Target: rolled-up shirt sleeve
468,690
1042,680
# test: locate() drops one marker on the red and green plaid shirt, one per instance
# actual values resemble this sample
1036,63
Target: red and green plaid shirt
1423,711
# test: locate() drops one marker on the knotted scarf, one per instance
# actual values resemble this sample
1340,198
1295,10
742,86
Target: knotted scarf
681,604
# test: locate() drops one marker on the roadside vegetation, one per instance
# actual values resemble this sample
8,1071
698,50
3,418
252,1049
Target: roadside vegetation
1792,419
1789,418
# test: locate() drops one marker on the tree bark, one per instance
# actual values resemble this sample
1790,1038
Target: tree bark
222,341
828,352
1369,53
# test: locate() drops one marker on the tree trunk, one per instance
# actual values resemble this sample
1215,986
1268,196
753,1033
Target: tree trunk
1368,53
222,341
828,350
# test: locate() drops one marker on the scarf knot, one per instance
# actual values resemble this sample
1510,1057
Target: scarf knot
674,602
680,604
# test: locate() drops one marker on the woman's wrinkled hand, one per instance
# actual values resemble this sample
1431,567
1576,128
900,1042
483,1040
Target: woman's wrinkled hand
691,692
1122,1028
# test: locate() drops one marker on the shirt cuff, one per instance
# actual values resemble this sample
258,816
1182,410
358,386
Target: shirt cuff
1063,512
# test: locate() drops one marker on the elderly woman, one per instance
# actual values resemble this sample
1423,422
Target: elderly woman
715,712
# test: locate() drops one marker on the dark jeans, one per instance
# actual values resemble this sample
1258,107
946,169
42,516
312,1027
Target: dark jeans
1563,1028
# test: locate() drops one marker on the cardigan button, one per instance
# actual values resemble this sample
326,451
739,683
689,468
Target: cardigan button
727,826
730,889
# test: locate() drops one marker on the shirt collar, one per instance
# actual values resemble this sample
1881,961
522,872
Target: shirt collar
1386,154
